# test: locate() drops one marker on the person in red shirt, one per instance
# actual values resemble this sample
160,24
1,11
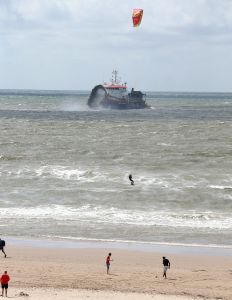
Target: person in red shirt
5,278
108,260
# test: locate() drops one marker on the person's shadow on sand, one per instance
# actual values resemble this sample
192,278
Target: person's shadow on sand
113,275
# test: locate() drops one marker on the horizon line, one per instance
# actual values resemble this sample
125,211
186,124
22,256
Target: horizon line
84,90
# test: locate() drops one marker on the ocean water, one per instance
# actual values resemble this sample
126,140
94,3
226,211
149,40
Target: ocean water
64,168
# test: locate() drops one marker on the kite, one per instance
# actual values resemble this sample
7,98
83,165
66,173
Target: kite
137,16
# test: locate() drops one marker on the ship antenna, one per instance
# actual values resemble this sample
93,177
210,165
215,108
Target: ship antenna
114,77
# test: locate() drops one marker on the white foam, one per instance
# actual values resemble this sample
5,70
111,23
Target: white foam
115,216
62,172
55,212
221,187
164,144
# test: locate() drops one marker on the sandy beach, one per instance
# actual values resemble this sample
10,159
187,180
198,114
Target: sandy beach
49,293
81,273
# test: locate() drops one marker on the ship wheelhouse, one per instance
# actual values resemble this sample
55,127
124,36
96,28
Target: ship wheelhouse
118,91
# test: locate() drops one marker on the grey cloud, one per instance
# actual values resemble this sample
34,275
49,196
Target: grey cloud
82,34
164,17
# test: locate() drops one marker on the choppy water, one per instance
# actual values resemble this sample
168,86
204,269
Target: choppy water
64,168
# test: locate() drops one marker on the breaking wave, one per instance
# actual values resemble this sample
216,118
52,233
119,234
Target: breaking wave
99,214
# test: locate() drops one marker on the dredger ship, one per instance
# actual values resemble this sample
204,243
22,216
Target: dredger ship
114,95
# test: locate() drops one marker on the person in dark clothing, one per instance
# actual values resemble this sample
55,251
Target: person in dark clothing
2,245
166,264
131,180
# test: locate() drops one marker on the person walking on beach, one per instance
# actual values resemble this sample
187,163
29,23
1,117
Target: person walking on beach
108,260
166,264
5,278
2,245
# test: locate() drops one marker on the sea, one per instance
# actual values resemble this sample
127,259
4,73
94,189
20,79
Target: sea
64,168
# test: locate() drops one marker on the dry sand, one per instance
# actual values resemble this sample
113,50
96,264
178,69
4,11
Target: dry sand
61,294
81,274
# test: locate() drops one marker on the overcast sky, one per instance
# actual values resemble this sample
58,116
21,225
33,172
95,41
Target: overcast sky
181,45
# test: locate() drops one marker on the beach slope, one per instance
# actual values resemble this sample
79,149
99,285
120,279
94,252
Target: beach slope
62,271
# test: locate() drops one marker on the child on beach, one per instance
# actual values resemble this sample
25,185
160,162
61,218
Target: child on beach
5,278
108,260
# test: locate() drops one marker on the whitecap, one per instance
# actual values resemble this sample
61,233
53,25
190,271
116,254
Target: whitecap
221,187
62,172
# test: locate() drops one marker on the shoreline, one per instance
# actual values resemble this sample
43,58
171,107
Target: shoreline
72,243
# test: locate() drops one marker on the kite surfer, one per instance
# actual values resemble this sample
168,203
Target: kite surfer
131,180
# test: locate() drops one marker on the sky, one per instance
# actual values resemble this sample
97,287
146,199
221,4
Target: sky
181,45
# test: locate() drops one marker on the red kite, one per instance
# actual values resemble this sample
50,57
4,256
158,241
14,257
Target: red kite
137,16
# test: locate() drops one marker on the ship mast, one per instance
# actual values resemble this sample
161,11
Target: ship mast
115,79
